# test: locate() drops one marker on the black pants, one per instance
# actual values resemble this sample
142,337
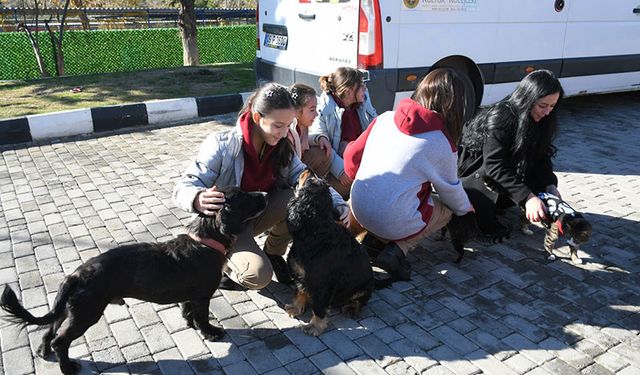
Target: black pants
487,201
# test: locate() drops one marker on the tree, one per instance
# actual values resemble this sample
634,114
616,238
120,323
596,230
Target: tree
56,40
82,14
188,33
33,35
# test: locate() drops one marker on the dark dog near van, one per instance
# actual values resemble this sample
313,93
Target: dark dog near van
186,269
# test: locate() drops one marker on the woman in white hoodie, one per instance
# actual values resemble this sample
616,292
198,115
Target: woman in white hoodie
397,161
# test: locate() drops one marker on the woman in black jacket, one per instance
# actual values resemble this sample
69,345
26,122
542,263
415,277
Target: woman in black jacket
506,151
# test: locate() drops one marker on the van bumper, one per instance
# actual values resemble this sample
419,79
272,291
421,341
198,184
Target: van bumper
382,85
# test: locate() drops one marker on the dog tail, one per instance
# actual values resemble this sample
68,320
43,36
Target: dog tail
19,315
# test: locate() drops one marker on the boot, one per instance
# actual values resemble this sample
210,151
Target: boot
280,269
372,245
227,284
393,260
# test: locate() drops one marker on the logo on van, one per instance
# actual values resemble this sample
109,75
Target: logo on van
411,3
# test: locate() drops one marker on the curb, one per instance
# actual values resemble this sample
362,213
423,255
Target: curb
102,119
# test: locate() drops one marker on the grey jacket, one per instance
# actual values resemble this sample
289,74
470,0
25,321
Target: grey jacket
220,162
329,124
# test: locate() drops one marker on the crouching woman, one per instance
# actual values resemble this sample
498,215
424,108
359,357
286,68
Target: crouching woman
396,162
256,156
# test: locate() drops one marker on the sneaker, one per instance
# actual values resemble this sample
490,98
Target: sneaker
280,269
393,260
227,284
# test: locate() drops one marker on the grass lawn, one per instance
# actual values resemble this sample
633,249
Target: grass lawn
20,98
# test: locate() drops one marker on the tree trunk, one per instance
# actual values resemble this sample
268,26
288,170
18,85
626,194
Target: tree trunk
82,14
56,43
42,66
189,33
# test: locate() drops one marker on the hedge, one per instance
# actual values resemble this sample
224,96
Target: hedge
104,51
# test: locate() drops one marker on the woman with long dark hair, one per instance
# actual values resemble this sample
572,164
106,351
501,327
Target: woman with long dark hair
396,162
305,101
256,156
506,151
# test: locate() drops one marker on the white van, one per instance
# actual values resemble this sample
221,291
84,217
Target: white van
593,46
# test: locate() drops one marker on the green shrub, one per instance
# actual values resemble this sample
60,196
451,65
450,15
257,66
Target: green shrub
105,51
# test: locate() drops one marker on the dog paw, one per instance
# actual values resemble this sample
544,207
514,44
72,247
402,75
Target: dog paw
551,257
213,334
351,310
312,330
293,310
43,351
526,231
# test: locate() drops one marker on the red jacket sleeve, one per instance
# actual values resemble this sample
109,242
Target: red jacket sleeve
352,155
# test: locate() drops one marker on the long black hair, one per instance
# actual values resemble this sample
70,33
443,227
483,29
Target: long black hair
513,114
266,99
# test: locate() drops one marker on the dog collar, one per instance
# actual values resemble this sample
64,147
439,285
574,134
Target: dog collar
210,242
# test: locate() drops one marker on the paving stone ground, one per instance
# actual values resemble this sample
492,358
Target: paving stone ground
503,310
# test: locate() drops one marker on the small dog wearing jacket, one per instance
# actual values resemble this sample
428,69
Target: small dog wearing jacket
186,269
328,265
561,220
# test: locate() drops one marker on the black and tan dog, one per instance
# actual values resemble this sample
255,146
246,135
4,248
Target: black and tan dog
186,269
328,265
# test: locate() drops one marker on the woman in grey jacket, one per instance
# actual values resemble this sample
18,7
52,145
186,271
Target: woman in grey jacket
256,156
344,112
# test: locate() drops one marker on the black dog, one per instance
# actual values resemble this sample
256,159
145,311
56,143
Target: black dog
462,229
186,269
328,265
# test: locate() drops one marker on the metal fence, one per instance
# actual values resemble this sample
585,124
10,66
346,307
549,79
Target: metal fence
105,51
121,18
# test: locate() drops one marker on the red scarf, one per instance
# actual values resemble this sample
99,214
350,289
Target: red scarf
351,127
258,173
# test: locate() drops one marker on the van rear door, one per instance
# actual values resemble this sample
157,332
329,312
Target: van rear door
308,36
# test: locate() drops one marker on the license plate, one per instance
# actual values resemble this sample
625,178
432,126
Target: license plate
275,41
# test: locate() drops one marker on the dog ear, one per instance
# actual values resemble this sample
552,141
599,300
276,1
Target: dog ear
228,222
